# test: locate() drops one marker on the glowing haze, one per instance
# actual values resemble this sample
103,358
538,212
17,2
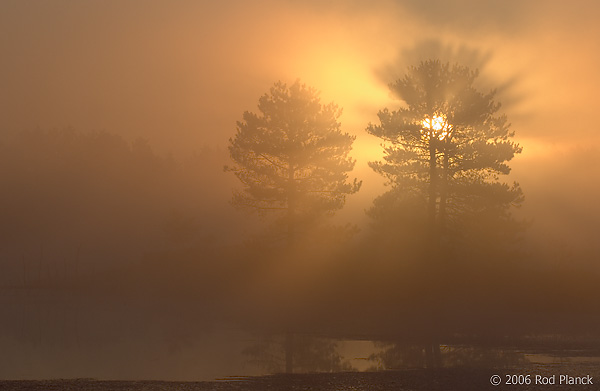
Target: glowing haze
181,73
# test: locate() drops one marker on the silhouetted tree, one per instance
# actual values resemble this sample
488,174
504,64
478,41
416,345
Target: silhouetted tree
445,151
448,145
292,159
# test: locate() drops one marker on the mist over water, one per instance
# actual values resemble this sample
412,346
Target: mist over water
137,143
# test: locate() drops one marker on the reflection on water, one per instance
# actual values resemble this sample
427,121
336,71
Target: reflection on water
64,334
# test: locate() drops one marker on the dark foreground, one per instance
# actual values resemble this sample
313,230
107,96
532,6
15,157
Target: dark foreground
414,380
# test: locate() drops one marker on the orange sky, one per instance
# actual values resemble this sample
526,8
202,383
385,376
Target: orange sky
181,73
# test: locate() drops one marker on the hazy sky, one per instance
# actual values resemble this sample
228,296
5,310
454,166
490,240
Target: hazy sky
183,71
180,73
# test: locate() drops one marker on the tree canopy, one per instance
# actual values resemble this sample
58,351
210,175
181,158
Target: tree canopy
292,157
447,147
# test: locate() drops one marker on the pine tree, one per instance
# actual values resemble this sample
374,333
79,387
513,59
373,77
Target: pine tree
445,152
447,147
292,158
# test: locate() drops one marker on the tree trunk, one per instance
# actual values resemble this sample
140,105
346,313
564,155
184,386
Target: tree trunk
289,352
443,195
432,187
441,255
291,207
291,238
436,223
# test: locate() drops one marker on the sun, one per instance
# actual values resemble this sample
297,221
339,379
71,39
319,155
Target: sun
436,127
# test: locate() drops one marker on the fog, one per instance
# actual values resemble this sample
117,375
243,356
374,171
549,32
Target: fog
122,255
